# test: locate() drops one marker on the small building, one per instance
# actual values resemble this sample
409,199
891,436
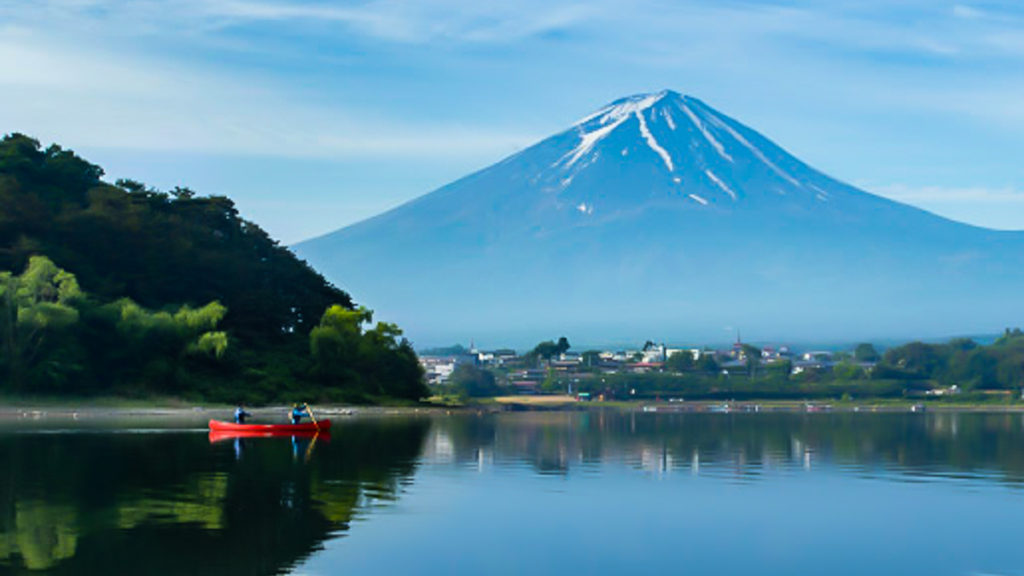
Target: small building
437,370
654,354
564,365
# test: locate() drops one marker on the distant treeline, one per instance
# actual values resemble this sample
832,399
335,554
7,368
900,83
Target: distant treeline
123,289
908,370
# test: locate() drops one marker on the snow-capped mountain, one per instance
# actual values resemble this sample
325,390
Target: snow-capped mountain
658,216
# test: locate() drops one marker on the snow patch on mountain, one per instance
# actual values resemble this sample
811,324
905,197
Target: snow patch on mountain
668,119
587,142
754,150
819,190
653,142
705,132
609,118
621,109
720,184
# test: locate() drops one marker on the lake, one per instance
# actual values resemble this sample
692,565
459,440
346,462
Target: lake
597,492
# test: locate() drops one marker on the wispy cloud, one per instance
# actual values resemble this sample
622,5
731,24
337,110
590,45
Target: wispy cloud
464,82
389,20
416,21
917,25
377,77
101,99
967,12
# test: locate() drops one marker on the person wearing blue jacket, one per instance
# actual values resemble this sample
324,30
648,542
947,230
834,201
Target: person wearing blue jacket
298,411
241,415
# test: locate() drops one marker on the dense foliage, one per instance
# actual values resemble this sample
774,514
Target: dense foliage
549,349
121,288
473,382
132,503
908,370
962,362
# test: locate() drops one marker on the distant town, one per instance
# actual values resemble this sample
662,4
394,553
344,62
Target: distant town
528,373
960,368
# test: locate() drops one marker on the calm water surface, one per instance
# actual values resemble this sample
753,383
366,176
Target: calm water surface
534,493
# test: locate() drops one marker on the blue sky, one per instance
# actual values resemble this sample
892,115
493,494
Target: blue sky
313,115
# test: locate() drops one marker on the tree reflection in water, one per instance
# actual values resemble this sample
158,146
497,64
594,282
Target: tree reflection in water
173,503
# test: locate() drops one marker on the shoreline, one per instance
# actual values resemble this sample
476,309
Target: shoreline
198,413
29,411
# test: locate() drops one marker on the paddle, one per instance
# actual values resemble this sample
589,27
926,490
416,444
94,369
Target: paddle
311,417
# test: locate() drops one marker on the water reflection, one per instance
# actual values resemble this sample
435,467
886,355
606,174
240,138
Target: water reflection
93,503
740,446
174,503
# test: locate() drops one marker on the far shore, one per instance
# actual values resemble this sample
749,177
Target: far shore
100,409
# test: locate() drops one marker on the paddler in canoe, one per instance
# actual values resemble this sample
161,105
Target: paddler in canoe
295,426
298,411
241,414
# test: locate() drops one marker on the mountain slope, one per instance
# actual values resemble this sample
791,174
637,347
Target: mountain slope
659,216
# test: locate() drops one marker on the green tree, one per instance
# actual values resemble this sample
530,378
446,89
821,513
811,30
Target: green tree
591,358
681,362
211,344
752,358
39,307
847,370
865,352
979,368
377,362
334,344
563,345
917,359
474,382
155,346
1009,335
549,349
706,363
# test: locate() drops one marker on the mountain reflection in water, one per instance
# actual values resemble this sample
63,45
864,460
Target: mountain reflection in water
107,502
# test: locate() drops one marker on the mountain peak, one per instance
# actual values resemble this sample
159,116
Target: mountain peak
634,104
667,109
658,212
702,155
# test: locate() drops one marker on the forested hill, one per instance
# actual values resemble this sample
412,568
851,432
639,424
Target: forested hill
167,255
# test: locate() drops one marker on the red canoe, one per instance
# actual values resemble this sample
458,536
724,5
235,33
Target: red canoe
222,435
322,426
